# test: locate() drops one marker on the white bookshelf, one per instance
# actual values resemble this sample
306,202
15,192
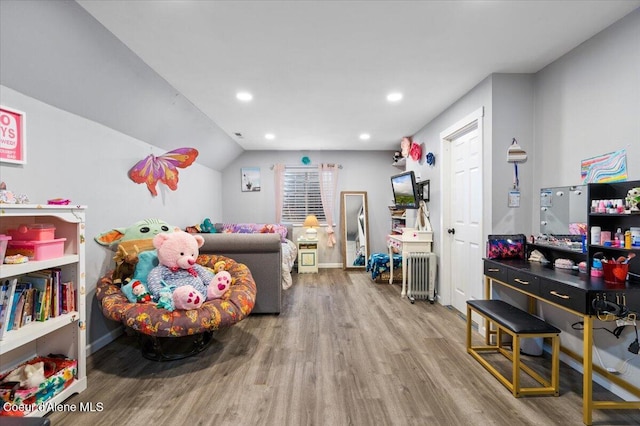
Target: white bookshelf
66,333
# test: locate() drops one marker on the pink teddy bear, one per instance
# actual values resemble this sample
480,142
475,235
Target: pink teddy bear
192,283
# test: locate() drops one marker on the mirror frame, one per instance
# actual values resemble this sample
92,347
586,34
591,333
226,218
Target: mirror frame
343,228
562,206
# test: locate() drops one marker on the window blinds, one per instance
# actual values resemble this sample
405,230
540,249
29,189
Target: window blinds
301,195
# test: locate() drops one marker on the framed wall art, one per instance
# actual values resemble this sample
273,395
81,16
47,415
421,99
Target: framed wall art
250,179
13,141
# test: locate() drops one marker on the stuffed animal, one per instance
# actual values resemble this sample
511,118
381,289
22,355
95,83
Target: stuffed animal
166,299
131,242
140,292
177,254
207,227
633,199
125,265
220,266
29,375
147,260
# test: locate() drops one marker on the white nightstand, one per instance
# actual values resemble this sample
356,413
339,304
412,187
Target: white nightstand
307,256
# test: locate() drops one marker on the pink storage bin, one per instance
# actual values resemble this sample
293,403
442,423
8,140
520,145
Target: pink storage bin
37,250
4,241
33,232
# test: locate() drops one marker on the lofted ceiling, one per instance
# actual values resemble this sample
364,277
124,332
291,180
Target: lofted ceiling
320,71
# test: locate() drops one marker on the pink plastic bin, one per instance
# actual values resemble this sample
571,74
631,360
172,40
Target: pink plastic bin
37,250
33,232
4,240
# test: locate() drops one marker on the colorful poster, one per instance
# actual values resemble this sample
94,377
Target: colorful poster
12,136
611,167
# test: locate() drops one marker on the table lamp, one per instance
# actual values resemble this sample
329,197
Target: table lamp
311,222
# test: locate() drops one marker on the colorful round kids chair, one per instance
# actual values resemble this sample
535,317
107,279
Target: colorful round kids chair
169,335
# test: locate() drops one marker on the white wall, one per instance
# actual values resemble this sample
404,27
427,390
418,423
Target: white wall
429,136
361,171
75,158
587,103
512,118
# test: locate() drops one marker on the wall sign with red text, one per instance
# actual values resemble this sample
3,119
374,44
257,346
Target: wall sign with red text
13,142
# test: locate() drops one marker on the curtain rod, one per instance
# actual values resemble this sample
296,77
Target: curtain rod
296,166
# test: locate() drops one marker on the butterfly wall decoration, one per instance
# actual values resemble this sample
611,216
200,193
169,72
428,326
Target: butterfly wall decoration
163,168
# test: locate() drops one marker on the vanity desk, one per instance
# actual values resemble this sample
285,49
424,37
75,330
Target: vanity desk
573,293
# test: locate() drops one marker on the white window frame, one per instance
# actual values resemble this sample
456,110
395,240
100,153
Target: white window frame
301,194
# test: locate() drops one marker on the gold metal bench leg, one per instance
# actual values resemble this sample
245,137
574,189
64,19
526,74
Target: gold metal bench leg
469,328
515,380
555,364
549,387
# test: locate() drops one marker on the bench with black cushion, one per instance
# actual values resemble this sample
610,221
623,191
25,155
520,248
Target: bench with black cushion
518,324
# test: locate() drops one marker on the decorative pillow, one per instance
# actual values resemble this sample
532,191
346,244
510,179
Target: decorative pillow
147,260
506,246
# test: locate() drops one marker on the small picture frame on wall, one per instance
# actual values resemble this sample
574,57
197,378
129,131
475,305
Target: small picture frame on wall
13,141
250,179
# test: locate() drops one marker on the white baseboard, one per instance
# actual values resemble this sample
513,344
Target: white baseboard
104,340
330,265
602,381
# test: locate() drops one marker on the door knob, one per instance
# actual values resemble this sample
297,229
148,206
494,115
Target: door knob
451,230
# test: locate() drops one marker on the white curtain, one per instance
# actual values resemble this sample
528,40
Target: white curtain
279,187
328,187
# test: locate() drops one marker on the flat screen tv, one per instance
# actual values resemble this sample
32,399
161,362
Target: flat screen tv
406,194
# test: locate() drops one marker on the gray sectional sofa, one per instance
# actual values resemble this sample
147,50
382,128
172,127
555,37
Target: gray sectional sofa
262,253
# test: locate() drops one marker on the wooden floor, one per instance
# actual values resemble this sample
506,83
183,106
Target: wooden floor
344,351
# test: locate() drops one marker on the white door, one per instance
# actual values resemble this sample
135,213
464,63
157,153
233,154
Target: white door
463,246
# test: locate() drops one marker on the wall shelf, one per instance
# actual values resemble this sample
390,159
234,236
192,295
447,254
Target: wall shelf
612,221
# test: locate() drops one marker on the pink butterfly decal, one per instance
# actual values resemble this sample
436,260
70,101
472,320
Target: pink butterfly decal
163,168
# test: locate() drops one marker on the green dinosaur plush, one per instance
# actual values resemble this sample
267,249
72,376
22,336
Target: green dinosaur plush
131,242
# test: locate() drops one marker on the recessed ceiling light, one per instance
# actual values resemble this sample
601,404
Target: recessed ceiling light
244,96
365,136
270,136
394,97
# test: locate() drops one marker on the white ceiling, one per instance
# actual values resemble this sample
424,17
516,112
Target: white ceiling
320,71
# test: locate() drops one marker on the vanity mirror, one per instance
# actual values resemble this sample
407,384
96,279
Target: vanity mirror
354,225
563,210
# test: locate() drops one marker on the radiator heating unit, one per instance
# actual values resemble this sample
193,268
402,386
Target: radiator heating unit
421,279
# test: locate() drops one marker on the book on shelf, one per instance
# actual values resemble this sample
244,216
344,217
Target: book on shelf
12,307
43,283
18,309
54,302
66,306
29,305
7,291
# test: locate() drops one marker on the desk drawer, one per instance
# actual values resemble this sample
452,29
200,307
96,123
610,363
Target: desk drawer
496,271
563,295
524,281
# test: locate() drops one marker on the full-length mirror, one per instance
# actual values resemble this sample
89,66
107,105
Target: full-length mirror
354,225
563,210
